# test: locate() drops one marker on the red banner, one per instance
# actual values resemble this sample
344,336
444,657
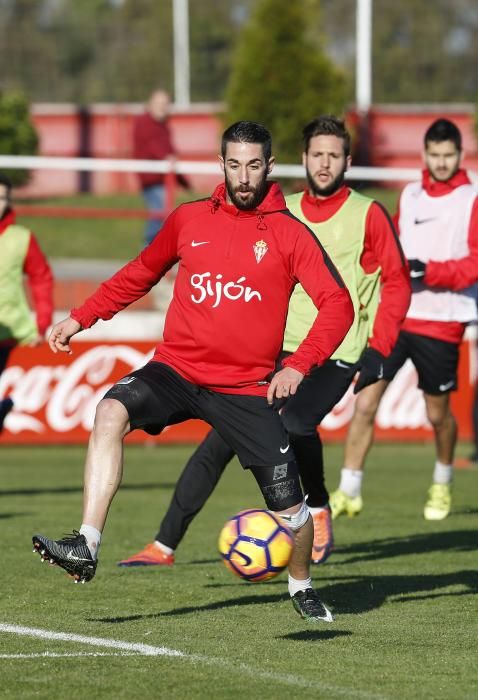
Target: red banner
55,397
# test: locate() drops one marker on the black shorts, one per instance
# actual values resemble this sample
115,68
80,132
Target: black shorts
316,396
436,362
156,396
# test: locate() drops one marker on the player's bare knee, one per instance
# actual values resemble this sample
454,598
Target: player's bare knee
366,406
112,417
439,416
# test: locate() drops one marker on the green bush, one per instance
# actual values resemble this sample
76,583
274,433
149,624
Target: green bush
17,133
281,76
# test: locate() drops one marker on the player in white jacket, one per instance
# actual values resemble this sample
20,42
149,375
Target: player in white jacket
438,226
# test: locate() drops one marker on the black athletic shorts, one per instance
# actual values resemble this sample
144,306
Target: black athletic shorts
316,396
436,362
156,396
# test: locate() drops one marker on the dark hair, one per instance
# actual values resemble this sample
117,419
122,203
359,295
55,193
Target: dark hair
248,132
326,125
6,183
443,130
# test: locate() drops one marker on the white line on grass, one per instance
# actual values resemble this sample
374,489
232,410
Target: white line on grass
51,654
147,650
143,649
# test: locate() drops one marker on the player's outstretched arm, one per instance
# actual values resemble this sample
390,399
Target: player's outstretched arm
61,333
284,383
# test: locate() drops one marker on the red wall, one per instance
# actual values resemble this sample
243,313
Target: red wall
394,138
396,134
196,135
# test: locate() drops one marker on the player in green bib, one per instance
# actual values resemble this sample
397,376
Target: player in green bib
358,235
20,256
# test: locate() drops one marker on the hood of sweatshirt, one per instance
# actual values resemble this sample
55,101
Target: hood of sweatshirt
272,202
439,189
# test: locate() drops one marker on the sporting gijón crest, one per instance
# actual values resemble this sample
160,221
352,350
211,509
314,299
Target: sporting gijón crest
260,249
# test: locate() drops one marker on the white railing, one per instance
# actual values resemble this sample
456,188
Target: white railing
187,167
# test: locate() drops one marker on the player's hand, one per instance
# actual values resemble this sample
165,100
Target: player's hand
284,384
371,369
61,333
417,269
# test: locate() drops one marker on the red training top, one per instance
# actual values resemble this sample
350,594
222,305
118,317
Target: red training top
237,269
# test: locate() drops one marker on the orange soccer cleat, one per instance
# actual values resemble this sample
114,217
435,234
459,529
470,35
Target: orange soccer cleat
323,536
151,555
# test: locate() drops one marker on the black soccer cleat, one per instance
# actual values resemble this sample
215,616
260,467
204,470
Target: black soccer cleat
71,553
310,607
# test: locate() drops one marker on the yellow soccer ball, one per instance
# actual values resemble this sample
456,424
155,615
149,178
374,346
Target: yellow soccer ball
255,545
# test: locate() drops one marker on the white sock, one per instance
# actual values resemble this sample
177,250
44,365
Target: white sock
296,585
164,548
351,481
314,511
443,473
93,538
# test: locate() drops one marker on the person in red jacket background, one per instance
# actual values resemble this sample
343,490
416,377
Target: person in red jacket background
437,221
20,255
152,141
240,254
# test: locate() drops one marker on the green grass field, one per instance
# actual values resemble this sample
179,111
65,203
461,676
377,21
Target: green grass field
403,591
113,238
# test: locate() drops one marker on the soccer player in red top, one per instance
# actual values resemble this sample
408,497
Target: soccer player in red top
438,226
240,255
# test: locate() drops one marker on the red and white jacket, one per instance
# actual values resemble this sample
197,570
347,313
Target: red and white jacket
237,269
455,274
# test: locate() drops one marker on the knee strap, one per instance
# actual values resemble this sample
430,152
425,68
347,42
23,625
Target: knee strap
296,520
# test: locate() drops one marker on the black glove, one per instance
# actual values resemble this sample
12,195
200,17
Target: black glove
417,269
371,369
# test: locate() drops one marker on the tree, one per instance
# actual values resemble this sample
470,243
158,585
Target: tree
113,50
17,133
281,76
423,52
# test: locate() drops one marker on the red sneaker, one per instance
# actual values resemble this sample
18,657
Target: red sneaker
323,536
151,555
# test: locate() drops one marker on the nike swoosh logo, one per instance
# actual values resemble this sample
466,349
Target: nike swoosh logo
380,374
448,385
70,555
194,244
341,364
126,380
417,222
415,275
284,449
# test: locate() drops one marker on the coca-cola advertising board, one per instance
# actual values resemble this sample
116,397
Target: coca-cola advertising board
55,396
